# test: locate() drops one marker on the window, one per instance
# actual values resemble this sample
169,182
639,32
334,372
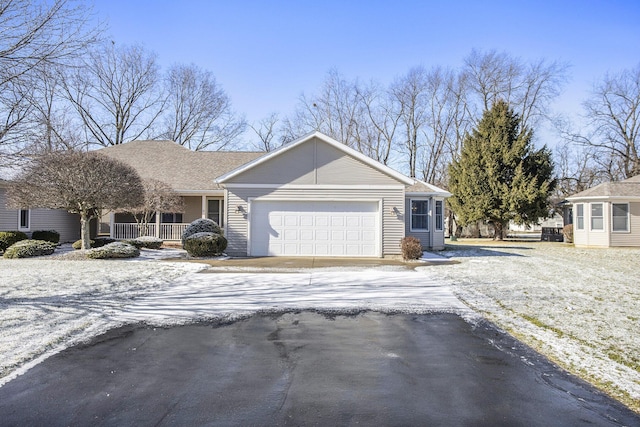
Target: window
214,211
171,218
420,215
620,217
580,217
597,217
24,219
439,216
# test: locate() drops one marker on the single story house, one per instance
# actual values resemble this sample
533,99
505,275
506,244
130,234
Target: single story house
30,220
312,197
608,214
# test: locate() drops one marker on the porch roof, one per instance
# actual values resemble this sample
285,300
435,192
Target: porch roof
184,170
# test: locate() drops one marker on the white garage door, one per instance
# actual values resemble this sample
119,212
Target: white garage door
288,228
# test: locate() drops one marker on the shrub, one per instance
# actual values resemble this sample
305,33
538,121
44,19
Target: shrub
78,244
114,250
202,225
8,238
29,248
97,243
205,244
148,242
411,248
567,230
101,241
49,235
133,242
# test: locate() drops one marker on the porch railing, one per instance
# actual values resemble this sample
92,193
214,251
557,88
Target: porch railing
133,230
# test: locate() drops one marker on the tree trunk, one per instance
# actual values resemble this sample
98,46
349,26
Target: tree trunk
85,231
498,228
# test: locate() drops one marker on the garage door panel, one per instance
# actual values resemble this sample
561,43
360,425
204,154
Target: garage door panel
300,228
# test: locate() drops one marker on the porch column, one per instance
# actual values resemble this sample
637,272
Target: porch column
204,206
111,222
158,224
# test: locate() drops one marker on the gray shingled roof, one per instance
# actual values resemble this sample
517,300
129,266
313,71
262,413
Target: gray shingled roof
181,168
424,187
628,188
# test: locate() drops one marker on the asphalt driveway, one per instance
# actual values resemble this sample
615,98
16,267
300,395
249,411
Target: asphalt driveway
306,368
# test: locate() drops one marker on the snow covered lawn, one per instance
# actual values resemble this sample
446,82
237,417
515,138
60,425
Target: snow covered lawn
580,307
49,304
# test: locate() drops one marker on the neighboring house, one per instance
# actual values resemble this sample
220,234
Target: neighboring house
311,197
607,214
29,220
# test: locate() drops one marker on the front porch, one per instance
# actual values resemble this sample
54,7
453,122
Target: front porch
167,226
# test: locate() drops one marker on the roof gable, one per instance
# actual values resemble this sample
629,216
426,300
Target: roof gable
315,159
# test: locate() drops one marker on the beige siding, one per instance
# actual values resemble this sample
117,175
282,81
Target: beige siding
632,238
314,162
336,168
68,225
192,208
238,212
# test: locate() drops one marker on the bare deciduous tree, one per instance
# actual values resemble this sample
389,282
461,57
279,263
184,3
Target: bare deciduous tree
613,115
34,34
158,197
78,182
410,94
577,169
267,131
116,94
198,113
527,87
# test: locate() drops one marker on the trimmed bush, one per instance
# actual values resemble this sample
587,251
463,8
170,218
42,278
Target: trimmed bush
49,235
114,250
78,244
133,242
29,248
411,248
101,241
567,230
149,242
8,238
97,243
205,244
202,225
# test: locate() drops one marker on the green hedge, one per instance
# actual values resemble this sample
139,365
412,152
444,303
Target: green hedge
49,235
201,225
8,238
205,244
29,248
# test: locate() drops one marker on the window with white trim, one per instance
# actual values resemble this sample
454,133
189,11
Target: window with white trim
620,217
597,216
580,217
24,219
439,216
420,215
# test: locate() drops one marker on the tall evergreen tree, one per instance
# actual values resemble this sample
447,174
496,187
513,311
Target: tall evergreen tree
500,176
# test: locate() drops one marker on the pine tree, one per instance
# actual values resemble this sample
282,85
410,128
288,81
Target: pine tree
500,176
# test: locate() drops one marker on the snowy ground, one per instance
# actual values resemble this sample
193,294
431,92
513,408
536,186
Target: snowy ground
580,307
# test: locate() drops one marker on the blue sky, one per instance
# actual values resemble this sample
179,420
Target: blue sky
266,53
